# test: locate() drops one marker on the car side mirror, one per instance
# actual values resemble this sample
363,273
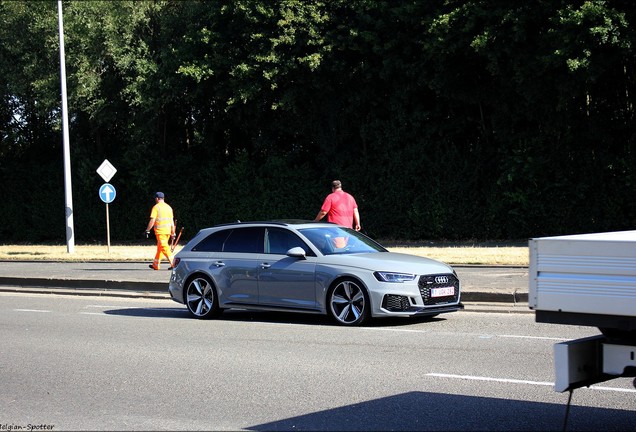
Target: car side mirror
297,252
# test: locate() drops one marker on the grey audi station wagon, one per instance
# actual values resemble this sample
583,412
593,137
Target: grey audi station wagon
308,267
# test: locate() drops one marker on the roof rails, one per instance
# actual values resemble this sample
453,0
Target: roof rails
282,222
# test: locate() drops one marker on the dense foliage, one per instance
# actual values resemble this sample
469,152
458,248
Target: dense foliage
446,119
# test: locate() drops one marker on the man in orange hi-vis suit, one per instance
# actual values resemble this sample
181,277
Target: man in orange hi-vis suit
162,220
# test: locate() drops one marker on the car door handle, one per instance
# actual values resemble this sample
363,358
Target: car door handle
265,265
219,264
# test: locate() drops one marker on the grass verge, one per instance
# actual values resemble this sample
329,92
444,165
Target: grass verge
458,254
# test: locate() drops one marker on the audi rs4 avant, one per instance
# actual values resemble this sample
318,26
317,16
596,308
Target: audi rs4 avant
310,267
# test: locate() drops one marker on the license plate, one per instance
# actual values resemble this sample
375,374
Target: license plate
442,292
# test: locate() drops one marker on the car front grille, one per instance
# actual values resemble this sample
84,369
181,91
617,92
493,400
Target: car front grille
396,303
429,282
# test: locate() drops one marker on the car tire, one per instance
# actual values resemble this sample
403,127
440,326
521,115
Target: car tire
201,298
348,303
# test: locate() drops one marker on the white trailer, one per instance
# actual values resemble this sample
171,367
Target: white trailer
588,280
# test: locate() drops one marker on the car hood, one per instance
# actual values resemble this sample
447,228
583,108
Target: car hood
389,261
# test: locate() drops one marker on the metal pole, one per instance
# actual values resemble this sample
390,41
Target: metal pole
68,193
108,228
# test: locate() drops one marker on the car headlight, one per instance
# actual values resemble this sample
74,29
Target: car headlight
393,277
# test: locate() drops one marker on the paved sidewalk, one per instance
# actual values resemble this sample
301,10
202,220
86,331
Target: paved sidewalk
503,286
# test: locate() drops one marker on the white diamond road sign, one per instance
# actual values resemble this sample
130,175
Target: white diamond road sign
107,193
106,170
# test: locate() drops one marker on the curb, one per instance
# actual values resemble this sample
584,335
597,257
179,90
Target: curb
86,292
85,287
159,290
494,297
79,284
508,308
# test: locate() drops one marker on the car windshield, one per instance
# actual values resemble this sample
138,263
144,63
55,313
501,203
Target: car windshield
340,240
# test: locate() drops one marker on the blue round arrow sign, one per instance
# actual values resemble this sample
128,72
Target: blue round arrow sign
107,193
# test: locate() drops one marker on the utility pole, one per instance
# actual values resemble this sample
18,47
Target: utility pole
68,190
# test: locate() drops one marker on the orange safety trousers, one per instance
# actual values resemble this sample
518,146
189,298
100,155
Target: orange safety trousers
162,249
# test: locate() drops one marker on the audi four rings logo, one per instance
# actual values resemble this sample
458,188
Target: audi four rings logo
441,279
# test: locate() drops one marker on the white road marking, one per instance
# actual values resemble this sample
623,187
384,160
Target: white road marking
480,336
394,330
478,378
515,381
533,337
31,310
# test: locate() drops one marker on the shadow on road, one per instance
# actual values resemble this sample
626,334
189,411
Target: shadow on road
265,317
150,312
423,411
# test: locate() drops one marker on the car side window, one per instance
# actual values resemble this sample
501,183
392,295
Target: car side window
318,238
245,240
213,243
279,241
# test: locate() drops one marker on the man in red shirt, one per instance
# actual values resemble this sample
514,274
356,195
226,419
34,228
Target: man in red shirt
340,208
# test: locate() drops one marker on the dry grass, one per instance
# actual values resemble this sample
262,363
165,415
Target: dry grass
515,255
81,253
478,255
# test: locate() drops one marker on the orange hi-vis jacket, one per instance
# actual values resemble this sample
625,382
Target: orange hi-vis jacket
164,220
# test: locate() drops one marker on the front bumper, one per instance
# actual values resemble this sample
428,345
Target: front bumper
437,293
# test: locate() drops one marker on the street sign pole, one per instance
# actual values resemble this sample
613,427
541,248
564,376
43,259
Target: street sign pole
107,194
107,228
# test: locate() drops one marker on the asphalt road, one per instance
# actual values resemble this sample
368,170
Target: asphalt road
95,363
